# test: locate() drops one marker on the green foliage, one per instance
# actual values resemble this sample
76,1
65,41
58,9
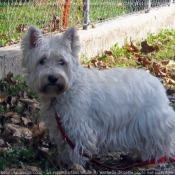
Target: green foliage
21,158
101,10
11,158
13,15
13,87
165,39
119,52
3,109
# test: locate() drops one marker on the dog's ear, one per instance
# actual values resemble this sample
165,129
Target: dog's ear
30,39
71,39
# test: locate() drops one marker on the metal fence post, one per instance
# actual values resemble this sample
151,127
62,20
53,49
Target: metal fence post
170,2
86,11
149,4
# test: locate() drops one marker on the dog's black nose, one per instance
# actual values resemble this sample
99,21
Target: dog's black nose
52,79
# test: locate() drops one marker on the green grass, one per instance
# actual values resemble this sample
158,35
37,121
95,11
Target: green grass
20,158
165,40
12,88
103,10
13,15
29,12
167,48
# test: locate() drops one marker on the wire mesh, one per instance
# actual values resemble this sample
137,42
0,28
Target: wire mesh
102,10
16,15
56,15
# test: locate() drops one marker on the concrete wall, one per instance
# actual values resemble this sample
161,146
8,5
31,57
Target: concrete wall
103,36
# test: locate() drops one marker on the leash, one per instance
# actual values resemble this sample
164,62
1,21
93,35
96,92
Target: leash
72,145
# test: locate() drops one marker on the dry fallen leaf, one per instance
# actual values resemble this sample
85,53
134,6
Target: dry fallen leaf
28,170
89,66
44,149
9,114
15,119
9,78
12,100
34,107
171,63
94,61
144,168
93,26
3,99
129,49
26,120
27,101
172,75
3,149
119,4
21,28
3,35
22,94
2,143
170,90
102,65
55,23
108,52
111,59
7,132
165,62
169,38
137,54
157,41
78,168
135,48
170,81
157,70
38,131
144,61
19,131
148,49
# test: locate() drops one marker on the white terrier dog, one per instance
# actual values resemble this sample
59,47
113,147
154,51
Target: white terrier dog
101,111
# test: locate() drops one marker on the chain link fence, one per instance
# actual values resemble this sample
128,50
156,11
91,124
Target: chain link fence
56,15
102,10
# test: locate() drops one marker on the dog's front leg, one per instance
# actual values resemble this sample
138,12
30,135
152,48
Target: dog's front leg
83,135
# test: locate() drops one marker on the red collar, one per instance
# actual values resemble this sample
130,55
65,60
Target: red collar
72,145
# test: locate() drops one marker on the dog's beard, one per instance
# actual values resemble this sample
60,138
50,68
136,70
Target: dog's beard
53,89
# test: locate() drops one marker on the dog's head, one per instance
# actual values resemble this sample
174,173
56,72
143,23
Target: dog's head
50,63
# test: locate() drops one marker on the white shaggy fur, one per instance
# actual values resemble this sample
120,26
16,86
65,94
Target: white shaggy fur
101,111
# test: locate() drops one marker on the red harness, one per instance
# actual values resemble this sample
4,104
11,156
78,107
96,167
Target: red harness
72,145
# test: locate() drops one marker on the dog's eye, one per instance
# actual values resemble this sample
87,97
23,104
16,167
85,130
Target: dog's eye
42,61
61,62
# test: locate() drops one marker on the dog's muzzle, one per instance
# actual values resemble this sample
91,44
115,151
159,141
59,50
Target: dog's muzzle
55,85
